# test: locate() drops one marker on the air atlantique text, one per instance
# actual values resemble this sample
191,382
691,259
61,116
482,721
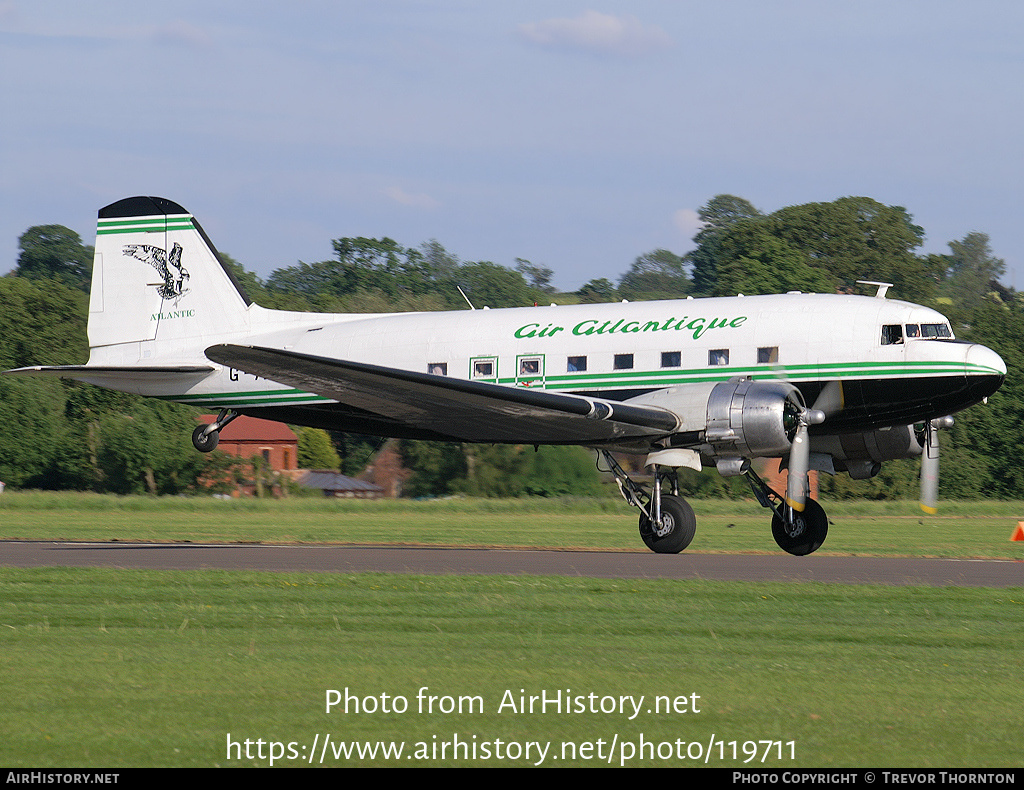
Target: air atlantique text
697,326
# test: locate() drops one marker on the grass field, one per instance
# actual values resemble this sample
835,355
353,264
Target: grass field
119,668
961,529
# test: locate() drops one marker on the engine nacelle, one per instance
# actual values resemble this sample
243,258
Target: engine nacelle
752,419
861,454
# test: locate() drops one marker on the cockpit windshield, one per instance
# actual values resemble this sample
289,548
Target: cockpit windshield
894,334
935,330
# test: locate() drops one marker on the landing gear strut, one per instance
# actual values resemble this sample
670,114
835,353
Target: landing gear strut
667,523
206,437
799,532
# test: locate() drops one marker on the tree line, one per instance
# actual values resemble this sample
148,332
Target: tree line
61,434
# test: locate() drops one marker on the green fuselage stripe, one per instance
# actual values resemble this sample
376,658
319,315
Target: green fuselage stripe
580,382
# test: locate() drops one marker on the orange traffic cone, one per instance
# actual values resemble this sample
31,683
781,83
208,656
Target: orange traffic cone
1018,534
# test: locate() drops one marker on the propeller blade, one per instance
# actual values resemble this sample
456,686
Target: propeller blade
930,464
799,459
930,471
831,399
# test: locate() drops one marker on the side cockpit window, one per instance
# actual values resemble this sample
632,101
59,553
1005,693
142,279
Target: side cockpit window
892,334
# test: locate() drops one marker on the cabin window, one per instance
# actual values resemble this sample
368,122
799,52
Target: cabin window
671,359
623,361
935,330
913,330
718,356
576,364
483,368
438,368
768,355
529,366
892,334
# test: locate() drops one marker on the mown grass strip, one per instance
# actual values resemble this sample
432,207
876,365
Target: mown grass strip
108,668
960,529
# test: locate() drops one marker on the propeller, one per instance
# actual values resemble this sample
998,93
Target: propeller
930,464
799,458
829,401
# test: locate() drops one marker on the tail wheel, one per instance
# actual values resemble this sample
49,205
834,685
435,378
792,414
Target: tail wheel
678,525
807,532
205,443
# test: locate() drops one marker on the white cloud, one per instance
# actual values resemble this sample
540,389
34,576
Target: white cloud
596,32
688,221
411,199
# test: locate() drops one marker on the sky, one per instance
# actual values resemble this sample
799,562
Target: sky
576,135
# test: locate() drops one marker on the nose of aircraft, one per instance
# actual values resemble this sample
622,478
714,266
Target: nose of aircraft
985,370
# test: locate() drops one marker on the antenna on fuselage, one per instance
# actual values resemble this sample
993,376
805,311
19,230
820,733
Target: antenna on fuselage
465,297
882,287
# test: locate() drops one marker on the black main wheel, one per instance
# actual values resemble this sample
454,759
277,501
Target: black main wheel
807,532
205,444
678,525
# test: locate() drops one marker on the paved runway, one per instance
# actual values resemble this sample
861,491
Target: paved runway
602,564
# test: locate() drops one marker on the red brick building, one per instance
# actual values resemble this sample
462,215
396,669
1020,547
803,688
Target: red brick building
245,437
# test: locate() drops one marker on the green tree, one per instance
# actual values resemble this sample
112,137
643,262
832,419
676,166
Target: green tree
355,450
658,274
717,216
538,277
596,291
436,467
41,322
147,449
55,252
857,238
984,443
316,450
562,471
972,268
31,412
488,284
439,261
752,260
253,286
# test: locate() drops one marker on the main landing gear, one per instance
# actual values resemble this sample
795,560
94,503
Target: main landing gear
206,437
667,522
798,531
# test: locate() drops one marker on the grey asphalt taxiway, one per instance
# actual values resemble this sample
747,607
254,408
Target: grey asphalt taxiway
431,560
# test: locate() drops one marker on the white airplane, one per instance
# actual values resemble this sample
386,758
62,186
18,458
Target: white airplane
831,382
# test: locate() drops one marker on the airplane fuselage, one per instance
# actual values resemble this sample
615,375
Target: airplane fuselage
625,350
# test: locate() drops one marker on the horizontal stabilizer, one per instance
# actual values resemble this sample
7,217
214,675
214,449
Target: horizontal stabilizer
470,410
73,371
148,380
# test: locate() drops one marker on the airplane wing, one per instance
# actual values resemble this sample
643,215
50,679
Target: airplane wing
468,410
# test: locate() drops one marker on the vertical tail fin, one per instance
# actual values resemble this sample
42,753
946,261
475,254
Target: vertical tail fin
156,278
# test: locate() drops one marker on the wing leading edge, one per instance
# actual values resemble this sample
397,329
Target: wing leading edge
471,411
